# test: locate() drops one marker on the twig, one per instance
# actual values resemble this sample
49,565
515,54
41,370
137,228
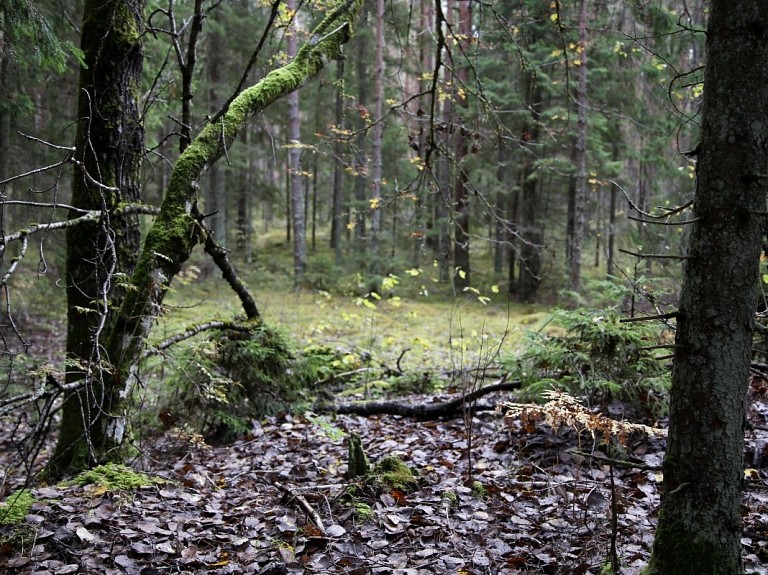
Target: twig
681,223
614,524
314,516
194,330
666,346
679,488
397,363
646,214
619,462
219,255
670,315
654,256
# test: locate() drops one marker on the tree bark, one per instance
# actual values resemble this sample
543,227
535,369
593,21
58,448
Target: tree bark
295,170
337,224
176,229
699,527
580,196
462,278
101,255
360,159
215,198
531,234
377,136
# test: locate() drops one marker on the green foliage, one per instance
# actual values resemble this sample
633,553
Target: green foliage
113,476
23,23
16,507
226,380
598,357
332,432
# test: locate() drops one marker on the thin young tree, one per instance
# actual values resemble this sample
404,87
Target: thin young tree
295,171
377,136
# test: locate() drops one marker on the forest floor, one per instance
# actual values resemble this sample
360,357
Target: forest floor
537,507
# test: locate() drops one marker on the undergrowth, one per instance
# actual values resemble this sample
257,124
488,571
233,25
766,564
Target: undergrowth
223,381
596,356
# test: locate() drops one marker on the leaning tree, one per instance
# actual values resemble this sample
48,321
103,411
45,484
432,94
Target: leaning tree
125,297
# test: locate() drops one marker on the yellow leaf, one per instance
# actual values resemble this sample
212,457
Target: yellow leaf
462,274
495,289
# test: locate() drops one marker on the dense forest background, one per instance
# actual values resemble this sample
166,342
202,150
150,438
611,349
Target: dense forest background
511,166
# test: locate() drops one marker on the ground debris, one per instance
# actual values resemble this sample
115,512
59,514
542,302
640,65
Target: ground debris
542,508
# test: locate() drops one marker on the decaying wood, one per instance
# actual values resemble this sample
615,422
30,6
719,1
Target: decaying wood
313,515
424,411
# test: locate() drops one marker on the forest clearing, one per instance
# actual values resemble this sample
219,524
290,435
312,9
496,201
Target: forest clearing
372,286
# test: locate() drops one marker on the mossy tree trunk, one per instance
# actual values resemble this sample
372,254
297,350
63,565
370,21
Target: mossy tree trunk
699,527
176,230
101,254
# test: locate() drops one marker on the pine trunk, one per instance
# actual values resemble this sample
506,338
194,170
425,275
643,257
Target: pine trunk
295,170
699,529
377,135
110,146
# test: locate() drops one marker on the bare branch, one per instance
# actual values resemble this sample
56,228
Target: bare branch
193,331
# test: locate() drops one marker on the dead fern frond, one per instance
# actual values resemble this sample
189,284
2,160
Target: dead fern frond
563,409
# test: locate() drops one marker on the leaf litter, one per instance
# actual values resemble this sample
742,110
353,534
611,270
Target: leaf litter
532,505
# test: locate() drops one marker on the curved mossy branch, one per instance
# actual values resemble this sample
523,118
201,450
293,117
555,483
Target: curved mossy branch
175,232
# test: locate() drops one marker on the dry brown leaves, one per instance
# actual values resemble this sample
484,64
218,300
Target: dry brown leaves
229,510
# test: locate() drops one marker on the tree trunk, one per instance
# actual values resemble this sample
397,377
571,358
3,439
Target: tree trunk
296,177
110,146
699,527
462,278
215,199
176,229
377,135
531,233
360,160
580,197
337,220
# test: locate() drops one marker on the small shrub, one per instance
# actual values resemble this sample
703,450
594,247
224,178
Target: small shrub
598,357
232,377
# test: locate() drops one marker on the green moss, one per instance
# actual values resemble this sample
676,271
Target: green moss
114,476
363,512
392,473
450,497
16,507
479,490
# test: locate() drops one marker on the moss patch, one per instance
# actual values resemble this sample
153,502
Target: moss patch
392,473
113,476
16,507
479,490
363,512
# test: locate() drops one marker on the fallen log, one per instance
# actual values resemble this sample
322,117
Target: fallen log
424,411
